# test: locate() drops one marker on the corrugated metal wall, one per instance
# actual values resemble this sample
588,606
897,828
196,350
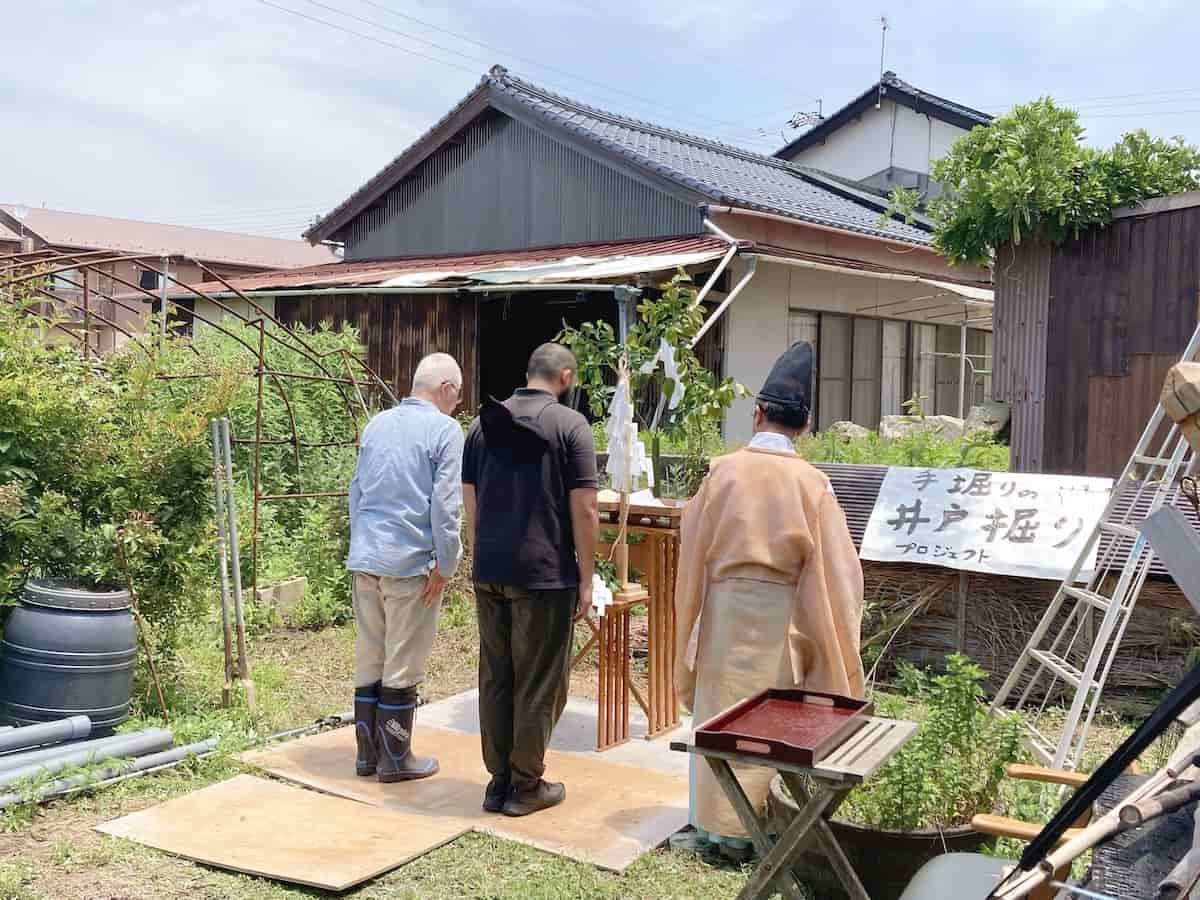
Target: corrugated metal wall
1022,284
399,329
1085,333
501,185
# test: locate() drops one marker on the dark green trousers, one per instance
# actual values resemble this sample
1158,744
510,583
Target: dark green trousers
524,667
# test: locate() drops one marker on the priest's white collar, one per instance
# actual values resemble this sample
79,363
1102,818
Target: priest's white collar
772,440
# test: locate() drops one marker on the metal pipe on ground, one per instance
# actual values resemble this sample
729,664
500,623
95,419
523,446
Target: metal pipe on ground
112,774
40,755
149,741
69,729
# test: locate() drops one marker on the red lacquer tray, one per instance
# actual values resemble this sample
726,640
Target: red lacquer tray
792,726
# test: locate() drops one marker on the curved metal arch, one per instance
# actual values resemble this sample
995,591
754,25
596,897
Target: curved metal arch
17,269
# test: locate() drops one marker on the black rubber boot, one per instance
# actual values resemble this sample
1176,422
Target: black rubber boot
393,732
496,793
366,699
525,799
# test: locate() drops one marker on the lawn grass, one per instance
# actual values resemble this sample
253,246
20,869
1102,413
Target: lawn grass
51,851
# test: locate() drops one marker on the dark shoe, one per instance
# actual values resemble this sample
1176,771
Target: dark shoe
393,731
533,798
366,699
496,794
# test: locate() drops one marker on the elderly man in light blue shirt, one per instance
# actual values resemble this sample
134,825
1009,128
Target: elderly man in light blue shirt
405,544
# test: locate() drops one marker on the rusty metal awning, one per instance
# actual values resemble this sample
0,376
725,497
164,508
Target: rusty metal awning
537,267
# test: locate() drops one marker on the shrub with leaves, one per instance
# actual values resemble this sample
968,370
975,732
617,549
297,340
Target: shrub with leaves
1029,176
952,767
924,449
95,451
676,318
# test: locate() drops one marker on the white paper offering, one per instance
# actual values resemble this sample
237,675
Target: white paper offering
627,457
602,597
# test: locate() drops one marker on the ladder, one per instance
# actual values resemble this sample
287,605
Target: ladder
1069,653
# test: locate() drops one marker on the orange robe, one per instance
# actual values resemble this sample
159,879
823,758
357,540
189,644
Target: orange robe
769,593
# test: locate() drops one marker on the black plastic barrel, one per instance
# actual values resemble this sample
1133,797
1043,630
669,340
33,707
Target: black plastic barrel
67,651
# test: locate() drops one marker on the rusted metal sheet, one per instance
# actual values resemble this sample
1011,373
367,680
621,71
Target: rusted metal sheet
368,273
398,330
1019,356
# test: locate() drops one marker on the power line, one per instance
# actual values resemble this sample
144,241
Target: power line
368,37
1131,115
1133,96
246,212
694,116
739,136
541,65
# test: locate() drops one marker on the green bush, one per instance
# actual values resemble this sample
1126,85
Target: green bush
95,451
952,767
1028,175
923,448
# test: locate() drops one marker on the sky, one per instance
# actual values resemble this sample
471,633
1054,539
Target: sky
257,115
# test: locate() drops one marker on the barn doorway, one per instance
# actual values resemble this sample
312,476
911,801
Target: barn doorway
511,326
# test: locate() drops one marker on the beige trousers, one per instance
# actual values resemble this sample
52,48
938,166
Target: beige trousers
742,650
394,630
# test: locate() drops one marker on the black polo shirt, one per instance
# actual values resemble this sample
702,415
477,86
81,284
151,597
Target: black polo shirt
524,456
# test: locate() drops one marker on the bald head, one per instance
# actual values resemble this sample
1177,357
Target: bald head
439,380
435,369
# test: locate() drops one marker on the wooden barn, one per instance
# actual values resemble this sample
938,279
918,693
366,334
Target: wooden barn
1085,333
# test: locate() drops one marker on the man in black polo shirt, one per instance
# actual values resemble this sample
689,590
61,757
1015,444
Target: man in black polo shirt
529,493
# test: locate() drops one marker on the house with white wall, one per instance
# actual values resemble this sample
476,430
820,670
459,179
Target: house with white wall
887,137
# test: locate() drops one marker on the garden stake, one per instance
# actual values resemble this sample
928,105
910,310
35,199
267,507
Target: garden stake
222,560
243,665
141,623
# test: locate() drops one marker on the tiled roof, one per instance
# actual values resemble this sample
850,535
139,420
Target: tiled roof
367,273
87,232
703,169
724,173
889,87
894,82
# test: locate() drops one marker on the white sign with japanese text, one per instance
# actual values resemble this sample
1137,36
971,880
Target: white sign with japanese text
1005,523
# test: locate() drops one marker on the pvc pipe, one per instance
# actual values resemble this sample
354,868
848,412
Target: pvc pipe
751,266
148,741
113,773
69,729
29,757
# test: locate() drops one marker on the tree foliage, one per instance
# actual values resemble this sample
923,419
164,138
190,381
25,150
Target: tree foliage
676,318
98,450
1028,176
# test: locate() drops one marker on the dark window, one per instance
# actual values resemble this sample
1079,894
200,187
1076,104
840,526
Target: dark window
148,280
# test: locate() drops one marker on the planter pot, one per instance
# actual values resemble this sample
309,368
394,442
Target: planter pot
884,860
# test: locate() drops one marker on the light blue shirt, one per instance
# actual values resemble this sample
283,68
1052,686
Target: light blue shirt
406,494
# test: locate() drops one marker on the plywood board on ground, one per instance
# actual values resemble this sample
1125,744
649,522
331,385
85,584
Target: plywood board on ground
274,830
613,813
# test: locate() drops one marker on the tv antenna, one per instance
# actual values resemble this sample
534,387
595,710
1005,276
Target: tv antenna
883,23
805,119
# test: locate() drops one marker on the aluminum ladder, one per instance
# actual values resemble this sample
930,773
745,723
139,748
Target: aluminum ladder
1069,654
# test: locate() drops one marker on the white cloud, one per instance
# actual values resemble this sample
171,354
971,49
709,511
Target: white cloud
208,109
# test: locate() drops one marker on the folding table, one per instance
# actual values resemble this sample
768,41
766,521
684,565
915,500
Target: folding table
818,790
